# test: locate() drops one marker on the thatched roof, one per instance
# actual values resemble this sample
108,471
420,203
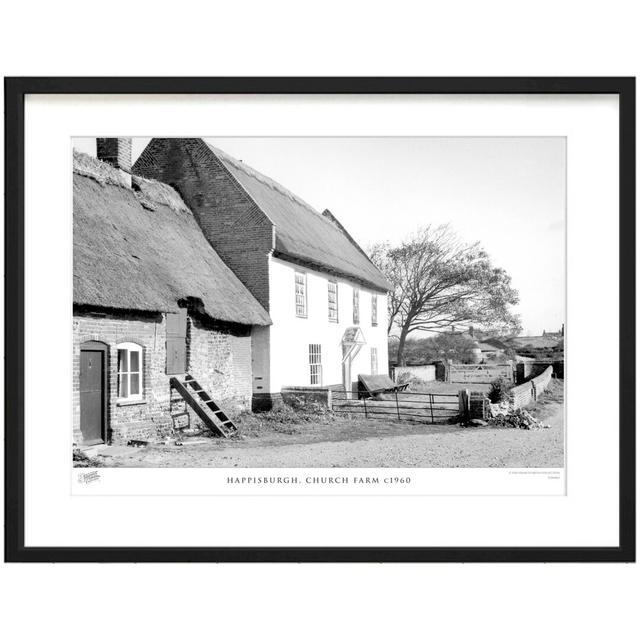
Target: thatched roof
534,342
141,249
301,232
487,346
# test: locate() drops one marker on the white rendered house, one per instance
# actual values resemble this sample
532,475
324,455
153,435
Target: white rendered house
326,299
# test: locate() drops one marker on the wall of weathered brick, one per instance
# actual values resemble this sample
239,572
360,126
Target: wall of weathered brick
141,420
472,404
526,393
234,225
523,371
218,356
115,151
478,405
527,370
307,397
522,395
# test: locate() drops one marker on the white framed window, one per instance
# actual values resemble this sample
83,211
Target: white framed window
356,306
374,309
301,294
130,382
332,289
374,361
315,364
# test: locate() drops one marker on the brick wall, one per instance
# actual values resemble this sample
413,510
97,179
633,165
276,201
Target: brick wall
542,381
115,151
527,370
218,356
234,225
307,397
125,421
474,404
523,371
528,392
522,395
478,405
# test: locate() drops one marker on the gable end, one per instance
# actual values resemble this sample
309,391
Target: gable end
231,221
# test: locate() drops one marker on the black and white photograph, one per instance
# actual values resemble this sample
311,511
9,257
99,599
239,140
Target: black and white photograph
319,302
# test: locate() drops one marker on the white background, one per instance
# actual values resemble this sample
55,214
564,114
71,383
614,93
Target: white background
489,38
587,516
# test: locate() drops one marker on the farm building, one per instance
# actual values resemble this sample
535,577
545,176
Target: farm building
547,349
326,299
152,303
554,334
539,347
490,351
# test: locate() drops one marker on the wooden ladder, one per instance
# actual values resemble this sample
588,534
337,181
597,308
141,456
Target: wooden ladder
204,406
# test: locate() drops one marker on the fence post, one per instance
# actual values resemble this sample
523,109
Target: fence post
464,404
431,406
364,399
397,406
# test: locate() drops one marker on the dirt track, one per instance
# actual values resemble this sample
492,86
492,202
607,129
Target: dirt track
393,445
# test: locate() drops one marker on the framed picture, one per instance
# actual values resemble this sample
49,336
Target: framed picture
320,319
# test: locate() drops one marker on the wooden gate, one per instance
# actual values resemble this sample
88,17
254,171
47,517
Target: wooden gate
478,373
432,408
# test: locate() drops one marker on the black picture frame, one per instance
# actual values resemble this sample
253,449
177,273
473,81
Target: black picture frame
15,91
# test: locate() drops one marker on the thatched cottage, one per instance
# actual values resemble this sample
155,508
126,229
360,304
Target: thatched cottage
152,302
326,299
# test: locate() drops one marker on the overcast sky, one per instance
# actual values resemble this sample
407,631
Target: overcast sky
507,193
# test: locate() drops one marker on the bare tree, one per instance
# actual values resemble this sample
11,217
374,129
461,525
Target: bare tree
439,281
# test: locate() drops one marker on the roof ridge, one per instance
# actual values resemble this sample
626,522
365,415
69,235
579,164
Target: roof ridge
294,219
147,190
125,256
326,215
102,172
160,193
329,216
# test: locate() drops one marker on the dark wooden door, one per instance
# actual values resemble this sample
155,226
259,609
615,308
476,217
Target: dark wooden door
92,395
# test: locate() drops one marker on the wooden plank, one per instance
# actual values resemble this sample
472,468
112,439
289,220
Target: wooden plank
177,324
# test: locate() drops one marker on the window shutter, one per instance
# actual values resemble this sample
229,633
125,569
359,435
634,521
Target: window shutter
177,324
176,355
177,342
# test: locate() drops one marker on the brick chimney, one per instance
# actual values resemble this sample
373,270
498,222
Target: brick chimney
117,152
